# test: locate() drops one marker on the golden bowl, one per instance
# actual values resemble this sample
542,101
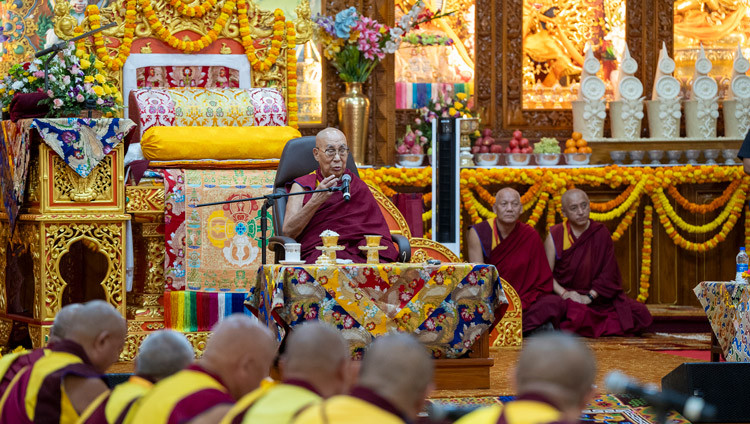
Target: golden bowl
330,241
373,240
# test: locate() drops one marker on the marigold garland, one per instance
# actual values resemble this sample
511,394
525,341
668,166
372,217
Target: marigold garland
291,73
666,211
648,235
626,221
227,10
193,11
611,204
258,64
123,51
706,208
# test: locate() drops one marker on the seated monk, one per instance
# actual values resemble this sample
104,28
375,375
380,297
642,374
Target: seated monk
394,380
161,354
517,251
314,367
309,215
237,357
60,385
582,257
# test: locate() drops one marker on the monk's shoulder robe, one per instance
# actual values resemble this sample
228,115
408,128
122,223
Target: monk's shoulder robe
37,393
12,363
113,407
486,415
274,403
588,262
362,406
181,397
351,220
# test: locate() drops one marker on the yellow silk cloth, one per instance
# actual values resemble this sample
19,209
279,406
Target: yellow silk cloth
516,412
218,143
276,404
346,409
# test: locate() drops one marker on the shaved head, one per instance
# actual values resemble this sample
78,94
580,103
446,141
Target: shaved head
328,135
507,207
162,354
100,329
63,320
318,354
331,141
397,367
556,365
575,206
240,350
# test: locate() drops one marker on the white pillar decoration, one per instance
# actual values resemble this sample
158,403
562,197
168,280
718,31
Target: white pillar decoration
664,110
589,111
702,110
626,111
737,103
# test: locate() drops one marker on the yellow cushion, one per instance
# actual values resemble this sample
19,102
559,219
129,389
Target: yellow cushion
220,143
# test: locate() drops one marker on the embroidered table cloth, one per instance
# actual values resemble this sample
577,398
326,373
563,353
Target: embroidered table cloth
447,307
726,305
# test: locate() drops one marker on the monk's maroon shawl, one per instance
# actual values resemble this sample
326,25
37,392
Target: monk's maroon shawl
519,259
352,220
590,264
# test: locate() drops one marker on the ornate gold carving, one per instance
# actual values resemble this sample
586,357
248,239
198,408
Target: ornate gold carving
146,49
6,326
4,240
392,210
108,237
423,249
144,326
145,307
303,25
509,329
152,230
39,335
32,180
144,199
198,339
69,186
155,258
27,234
133,342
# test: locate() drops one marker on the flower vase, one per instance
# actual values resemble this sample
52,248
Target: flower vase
354,112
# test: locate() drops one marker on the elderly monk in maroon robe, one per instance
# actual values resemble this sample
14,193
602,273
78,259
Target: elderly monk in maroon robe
517,252
581,254
306,218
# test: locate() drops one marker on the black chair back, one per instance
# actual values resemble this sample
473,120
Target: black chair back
296,160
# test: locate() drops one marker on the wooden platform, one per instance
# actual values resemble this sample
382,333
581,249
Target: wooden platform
678,319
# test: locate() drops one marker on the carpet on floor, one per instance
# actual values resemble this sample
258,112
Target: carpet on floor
621,409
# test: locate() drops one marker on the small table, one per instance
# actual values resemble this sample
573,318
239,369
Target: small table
727,307
448,307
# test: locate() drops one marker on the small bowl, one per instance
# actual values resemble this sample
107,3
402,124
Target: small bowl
618,156
655,156
486,159
547,159
577,158
410,161
729,155
692,156
636,156
711,155
674,156
517,159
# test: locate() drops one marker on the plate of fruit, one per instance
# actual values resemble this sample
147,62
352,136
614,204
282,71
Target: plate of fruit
518,152
577,150
486,149
547,151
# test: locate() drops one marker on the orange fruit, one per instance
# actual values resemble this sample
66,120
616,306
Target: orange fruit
576,135
570,143
586,149
571,150
581,143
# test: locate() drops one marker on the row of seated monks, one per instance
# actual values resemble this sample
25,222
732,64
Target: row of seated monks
319,384
570,282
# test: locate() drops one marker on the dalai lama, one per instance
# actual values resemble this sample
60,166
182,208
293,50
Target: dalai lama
306,218
517,252
582,257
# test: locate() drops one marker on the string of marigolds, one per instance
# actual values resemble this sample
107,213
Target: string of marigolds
648,235
248,43
123,51
703,209
291,73
733,205
193,11
626,221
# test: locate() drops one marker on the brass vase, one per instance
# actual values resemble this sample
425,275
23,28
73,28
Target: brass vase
354,111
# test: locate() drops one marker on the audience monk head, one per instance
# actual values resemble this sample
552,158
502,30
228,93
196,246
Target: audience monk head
100,329
331,152
162,354
508,206
63,320
575,207
317,354
559,367
240,351
398,368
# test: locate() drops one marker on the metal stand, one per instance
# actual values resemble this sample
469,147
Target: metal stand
270,199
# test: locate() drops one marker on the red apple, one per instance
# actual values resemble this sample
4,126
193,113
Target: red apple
484,149
478,142
475,149
507,150
496,148
517,134
524,142
528,150
487,141
515,150
487,132
513,143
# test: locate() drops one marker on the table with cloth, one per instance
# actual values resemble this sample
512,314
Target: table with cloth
726,305
448,307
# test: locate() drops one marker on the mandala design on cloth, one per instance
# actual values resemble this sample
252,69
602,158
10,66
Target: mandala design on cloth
594,113
670,114
269,105
632,114
82,143
708,112
174,229
154,107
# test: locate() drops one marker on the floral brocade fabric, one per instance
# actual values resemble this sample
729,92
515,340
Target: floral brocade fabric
726,305
447,307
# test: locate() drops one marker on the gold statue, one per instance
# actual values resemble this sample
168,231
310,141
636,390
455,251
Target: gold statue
708,20
146,49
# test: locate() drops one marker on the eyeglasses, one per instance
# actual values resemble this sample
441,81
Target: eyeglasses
331,153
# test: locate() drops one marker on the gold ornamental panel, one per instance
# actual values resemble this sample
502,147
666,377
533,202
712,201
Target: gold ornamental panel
28,235
62,190
134,339
4,240
145,307
509,329
39,335
144,200
6,326
155,249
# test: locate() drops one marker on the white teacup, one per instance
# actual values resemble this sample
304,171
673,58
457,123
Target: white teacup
292,251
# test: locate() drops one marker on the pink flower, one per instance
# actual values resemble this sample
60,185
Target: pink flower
80,98
416,149
99,101
402,149
423,139
50,93
417,121
57,103
39,74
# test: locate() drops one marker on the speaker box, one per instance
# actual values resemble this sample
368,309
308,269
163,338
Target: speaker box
725,385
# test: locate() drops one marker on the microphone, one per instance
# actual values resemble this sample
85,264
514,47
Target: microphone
345,181
62,44
693,408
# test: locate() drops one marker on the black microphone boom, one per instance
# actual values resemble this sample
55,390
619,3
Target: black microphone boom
345,182
61,45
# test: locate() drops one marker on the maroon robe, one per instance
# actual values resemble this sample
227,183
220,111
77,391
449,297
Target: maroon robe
352,220
23,360
521,261
199,402
588,262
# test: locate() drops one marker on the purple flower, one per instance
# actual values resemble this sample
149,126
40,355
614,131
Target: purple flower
325,23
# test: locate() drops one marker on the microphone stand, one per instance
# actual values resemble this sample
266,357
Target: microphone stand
270,199
61,45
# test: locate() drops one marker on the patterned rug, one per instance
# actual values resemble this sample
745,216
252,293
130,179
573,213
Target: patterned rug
621,409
